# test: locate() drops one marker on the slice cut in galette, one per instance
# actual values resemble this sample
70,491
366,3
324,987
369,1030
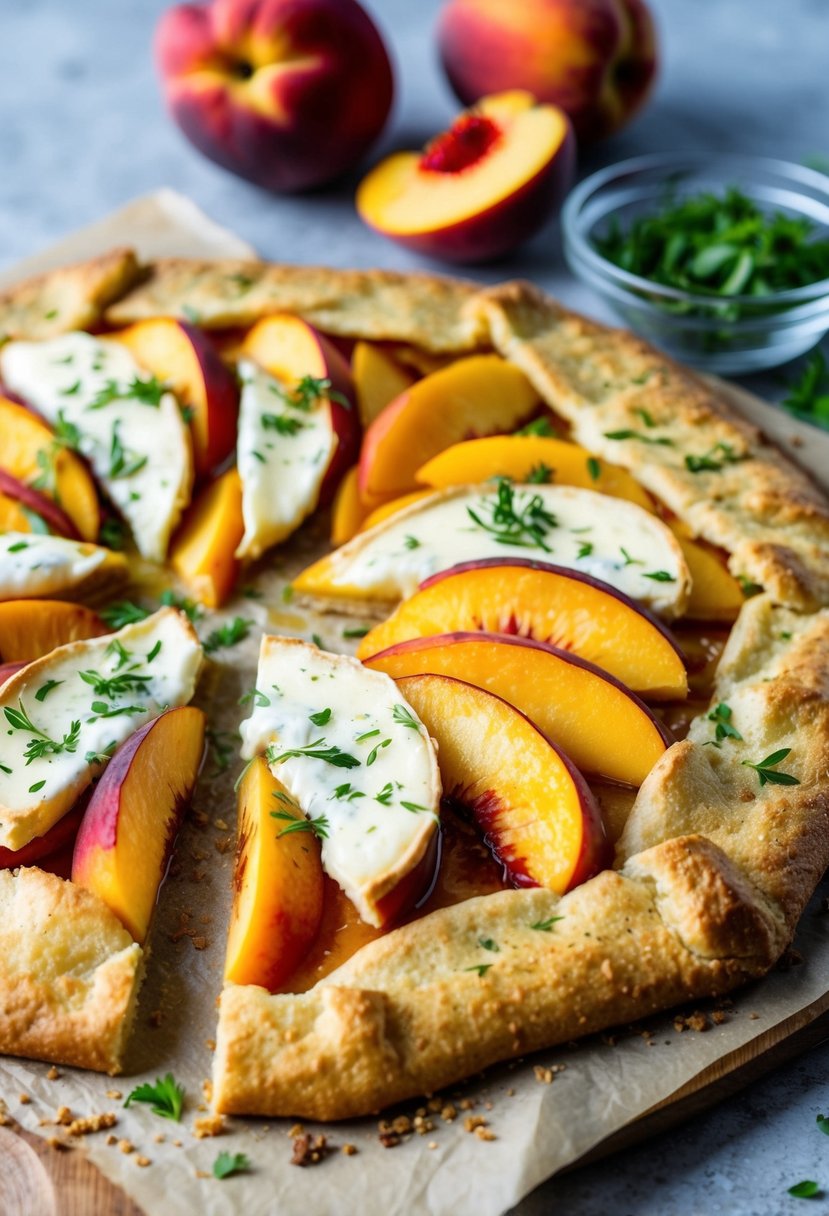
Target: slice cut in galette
577,772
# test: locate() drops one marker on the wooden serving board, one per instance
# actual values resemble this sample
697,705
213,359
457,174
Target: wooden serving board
39,1180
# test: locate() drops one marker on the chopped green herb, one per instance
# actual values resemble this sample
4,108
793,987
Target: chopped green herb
44,690
114,686
808,393
713,460
318,825
227,635
823,1124
526,527
645,416
659,576
346,793
356,633
482,968
122,613
539,426
411,542
747,587
721,714
165,1098
369,734
18,546
155,652
385,795
42,744
414,807
283,424
594,468
100,757
486,943
372,756
193,611
119,650
805,1190
314,751
38,785
227,1164
259,698
630,561
320,719
404,717
539,475
767,771
67,434
113,534
545,926
147,392
123,462
585,549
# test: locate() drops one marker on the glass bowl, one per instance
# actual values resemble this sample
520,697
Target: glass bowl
724,334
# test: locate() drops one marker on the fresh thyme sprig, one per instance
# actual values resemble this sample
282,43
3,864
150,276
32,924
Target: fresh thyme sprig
114,686
513,524
768,773
148,392
42,744
317,825
314,751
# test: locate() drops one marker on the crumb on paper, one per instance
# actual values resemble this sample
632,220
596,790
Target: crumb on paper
89,1124
210,1044
58,1143
159,1138
296,1130
5,1117
126,1147
310,1150
23,1099
111,1139
207,1089
472,1122
143,1161
64,1115
209,1125
543,1075
349,1150
53,1074
448,1113
114,1094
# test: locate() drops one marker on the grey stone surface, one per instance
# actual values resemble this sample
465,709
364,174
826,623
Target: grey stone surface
82,129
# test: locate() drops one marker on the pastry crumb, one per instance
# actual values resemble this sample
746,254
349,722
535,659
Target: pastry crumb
64,1115
210,1044
5,1117
111,1139
484,1133
349,1149
296,1130
23,1099
159,1138
86,1126
143,1161
448,1113
126,1147
542,1074
57,1142
209,1125
114,1094
432,1144
53,1074
472,1122
310,1150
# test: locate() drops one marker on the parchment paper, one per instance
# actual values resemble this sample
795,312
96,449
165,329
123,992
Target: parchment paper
539,1127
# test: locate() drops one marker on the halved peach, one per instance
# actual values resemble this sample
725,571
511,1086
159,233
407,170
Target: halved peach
480,188
58,837
292,350
715,593
347,510
479,395
537,815
602,726
184,358
133,817
378,380
549,604
278,885
31,628
19,502
203,548
30,454
525,457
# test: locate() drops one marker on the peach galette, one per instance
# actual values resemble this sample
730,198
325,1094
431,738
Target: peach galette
576,771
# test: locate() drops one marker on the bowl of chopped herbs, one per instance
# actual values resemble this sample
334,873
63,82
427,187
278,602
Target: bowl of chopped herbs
723,262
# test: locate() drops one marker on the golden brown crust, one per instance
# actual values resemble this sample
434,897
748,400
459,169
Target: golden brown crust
72,297
70,973
410,1012
426,310
768,515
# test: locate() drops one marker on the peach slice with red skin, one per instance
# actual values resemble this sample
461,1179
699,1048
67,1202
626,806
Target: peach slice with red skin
521,457
547,603
203,548
183,358
135,812
32,628
290,349
538,816
30,454
59,836
28,499
602,726
480,188
378,380
278,884
479,395
347,510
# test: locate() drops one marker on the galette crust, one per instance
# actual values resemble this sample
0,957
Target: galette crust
72,297
713,869
70,973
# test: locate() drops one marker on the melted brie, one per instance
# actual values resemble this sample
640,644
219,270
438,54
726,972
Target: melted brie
139,452
282,455
63,715
608,538
33,565
378,815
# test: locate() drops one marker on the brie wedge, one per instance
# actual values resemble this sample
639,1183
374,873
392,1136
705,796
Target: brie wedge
34,565
130,430
283,452
608,538
64,715
356,758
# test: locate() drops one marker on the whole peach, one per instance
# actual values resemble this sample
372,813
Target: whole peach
286,93
596,59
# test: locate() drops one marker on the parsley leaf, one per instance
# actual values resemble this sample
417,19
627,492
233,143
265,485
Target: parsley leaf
193,611
227,635
486,943
721,714
539,475
148,392
230,1163
320,718
122,613
808,394
165,1098
807,1189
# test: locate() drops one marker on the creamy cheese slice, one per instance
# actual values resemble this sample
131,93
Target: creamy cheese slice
282,455
136,441
608,538
355,757
62,716
34,565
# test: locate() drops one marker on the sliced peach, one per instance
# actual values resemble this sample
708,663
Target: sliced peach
478,189
526,458
184,358
32,628
479,395
378,379
549,604
538,816
291,350
602,726
59,836
30,502
203,548
133,817
388,509
715,593
347,510
30,453
278,885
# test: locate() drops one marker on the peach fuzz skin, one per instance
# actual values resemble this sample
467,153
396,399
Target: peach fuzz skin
597,59
289,94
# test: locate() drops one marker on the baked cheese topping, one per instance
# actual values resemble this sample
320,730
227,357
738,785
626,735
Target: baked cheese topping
131,431
608,538
283,451
63,716
356,758
35,565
